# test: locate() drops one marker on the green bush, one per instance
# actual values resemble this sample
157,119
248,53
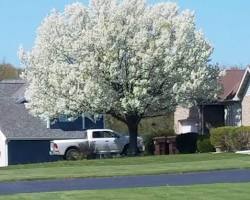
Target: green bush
148,139
204,144
231,138
220,137
240,138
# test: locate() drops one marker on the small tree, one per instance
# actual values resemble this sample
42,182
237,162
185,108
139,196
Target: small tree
118,57
8,71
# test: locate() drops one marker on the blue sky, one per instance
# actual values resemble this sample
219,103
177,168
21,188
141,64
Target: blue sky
226,24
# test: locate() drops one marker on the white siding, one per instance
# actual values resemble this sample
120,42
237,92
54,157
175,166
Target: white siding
3,151
248,89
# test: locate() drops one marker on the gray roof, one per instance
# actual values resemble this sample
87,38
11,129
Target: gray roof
17,123
8,89
13,81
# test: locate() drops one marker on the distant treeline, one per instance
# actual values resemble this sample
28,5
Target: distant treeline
8,71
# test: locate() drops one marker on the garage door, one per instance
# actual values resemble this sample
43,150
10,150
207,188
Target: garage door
29,151
188,127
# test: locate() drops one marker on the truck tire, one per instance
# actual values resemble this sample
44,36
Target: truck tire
73,154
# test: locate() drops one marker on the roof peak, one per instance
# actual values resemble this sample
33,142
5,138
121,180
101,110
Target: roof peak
235,69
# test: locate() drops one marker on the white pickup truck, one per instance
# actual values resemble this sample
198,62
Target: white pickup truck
101,140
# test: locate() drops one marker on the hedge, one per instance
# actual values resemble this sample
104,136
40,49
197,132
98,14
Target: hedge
204,144
231,138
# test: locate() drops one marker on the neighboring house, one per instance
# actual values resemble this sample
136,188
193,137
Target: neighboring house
231,109
25,138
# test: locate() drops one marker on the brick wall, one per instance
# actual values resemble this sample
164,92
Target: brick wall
246,111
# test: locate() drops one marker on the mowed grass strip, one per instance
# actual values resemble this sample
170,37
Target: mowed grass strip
125,166
239,191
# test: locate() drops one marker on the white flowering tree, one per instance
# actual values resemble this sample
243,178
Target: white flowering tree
123,58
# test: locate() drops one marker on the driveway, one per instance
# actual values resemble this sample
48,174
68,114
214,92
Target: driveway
228,176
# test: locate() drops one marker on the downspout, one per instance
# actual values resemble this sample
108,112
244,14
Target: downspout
6,152
241,114
48,122
200,112
104,123
83,122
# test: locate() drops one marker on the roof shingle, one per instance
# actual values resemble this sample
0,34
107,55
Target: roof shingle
17,123
230,83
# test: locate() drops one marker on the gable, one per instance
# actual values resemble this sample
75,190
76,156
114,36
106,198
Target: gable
230,82
244,86
247,90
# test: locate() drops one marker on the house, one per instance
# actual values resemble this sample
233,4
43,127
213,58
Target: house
25,138
231,109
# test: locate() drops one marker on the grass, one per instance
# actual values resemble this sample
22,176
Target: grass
125,166
239,191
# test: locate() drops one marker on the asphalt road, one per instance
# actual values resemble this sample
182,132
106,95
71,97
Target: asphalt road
228,176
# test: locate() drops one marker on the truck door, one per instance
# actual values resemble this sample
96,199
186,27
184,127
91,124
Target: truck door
105,141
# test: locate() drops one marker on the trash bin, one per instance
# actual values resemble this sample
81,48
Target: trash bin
165,145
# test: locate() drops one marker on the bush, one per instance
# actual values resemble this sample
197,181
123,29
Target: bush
231,138
187,143
148,139
87,150
204,144
240,138
220,137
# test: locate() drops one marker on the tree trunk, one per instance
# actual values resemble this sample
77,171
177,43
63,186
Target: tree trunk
132,123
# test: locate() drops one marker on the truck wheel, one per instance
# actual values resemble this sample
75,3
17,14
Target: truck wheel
73,154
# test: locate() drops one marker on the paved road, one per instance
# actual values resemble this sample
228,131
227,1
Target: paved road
228,176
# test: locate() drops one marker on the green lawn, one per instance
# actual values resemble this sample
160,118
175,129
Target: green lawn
125,166
234,191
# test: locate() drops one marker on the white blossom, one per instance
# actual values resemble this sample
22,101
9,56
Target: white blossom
118,57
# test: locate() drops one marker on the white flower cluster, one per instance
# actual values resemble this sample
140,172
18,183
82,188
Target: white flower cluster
119,57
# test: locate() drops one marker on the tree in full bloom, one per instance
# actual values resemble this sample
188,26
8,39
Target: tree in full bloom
123,58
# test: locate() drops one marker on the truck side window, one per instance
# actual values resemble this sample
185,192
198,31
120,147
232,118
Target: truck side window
98,134
108,134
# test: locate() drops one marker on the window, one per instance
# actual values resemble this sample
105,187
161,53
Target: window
98,134
104,134
108,134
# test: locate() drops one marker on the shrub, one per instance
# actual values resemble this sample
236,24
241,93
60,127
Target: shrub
149,142
187,143
204,144
220,137
87,150
240,138
231,138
